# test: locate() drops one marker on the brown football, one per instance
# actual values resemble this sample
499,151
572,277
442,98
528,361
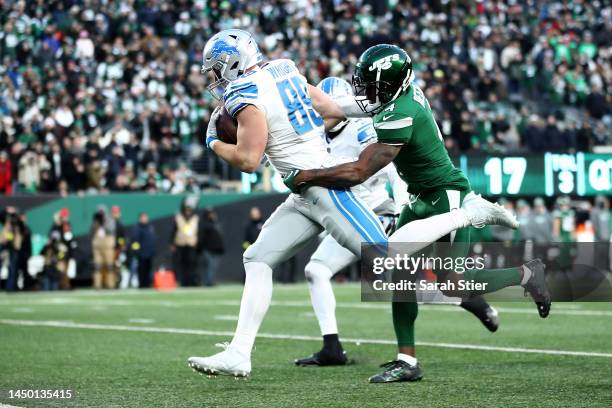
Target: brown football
227,127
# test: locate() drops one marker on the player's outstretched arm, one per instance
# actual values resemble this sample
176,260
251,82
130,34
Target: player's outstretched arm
252,138
331,113
370,161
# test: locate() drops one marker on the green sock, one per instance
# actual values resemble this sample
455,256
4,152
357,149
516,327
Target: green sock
404,315
495,279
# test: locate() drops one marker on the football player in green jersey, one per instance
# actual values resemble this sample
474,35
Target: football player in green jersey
409,137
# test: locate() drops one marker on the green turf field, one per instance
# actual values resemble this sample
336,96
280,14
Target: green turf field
121,349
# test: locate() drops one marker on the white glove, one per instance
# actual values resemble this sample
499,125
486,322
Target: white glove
211,131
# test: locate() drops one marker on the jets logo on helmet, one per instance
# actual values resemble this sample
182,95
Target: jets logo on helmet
382,74
384,63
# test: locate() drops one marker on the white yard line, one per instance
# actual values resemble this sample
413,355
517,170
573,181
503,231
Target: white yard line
90,326
140,320
557,309
231,318
23,310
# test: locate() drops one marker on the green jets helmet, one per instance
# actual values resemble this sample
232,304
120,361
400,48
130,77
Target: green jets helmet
382,73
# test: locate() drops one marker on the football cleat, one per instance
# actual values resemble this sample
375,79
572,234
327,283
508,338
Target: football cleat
397,371
228,362
482,212
486,313
491,319
324,358
536,286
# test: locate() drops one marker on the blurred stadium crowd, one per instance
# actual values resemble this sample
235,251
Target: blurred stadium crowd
121,257
98,95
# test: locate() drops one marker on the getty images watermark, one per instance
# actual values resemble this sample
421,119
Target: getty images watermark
447,273
410,265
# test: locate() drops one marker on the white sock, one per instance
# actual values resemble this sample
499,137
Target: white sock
526,275
421,233
407,358
256,298
322,296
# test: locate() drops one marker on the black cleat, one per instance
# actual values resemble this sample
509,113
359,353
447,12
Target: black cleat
491,319
324,358
487,315
536,286
397,371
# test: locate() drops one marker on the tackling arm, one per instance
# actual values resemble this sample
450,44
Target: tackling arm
252,138
371,160
330,112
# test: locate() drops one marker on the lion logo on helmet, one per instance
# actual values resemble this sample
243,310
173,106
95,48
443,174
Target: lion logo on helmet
221,47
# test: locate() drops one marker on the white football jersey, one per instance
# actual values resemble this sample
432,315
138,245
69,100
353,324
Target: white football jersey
296,135
355,136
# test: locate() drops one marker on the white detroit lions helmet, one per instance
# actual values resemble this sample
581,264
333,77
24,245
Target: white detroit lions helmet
229,54
336,87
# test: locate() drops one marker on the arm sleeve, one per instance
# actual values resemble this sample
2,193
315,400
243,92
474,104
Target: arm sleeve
240,94
350,108
394,128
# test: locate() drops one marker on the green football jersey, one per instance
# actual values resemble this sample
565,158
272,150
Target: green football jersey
423,161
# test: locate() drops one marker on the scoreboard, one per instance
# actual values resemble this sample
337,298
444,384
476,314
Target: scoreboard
548,174
545,174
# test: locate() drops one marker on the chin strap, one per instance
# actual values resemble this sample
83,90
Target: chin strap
405,84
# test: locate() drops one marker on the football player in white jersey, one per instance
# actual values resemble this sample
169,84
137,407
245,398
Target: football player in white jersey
348,139
280,115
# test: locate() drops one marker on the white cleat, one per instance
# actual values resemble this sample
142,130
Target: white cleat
228,362
482,212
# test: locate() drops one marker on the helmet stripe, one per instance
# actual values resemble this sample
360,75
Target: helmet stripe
328,85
